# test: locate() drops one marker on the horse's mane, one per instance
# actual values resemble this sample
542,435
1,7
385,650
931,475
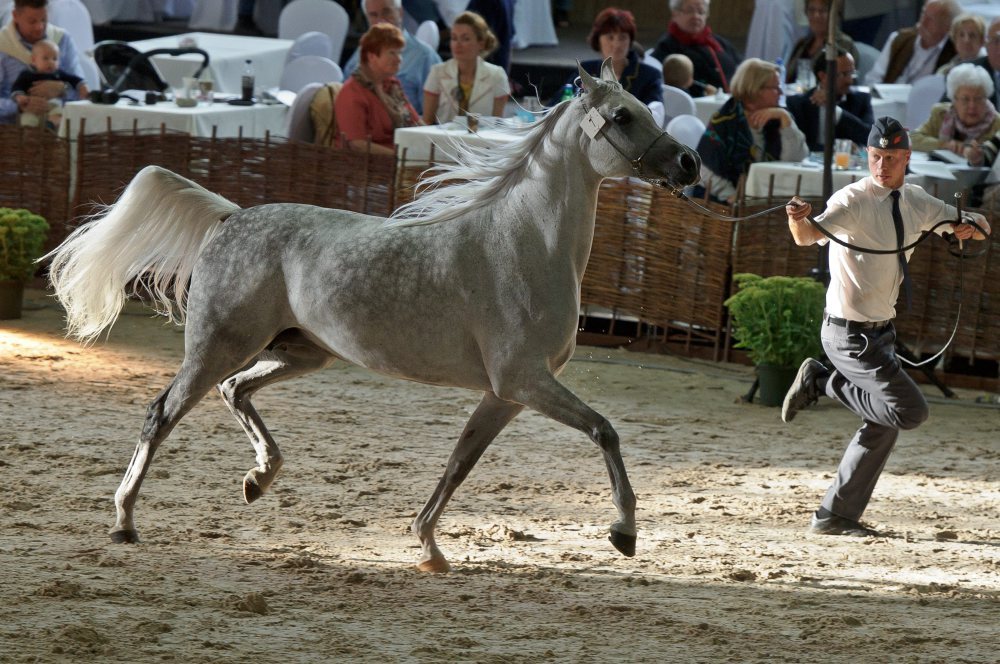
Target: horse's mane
478,177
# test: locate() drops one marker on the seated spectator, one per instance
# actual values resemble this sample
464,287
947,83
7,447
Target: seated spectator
853,112
371,105
750,127
466,83
678,71
29,25
969,119
499,15
613,36
913,53
44,67
991,61
714,57
813,43
418,57
968,34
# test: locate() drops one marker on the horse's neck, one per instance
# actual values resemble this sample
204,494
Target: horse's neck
558,196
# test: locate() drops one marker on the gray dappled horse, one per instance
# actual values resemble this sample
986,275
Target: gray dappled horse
474,284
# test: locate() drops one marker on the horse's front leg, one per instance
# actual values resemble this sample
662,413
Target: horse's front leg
489,419
543,393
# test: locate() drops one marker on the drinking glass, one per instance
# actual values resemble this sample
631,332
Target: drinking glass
205,87
842,149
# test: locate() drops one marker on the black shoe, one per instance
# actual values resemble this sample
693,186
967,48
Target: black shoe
838,525
803,392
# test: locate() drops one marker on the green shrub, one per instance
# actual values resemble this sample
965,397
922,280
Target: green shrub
778,318
22,236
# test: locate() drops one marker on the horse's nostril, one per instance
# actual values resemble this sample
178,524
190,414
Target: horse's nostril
689,163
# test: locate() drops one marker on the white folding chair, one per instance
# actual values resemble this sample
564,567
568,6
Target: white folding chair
656,108
648,59
429,34
302,16
925,92
687,129
217,15
867,55
299,126
91,72
73,17
310,43
677,102
309,69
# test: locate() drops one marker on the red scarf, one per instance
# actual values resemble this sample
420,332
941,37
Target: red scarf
703,38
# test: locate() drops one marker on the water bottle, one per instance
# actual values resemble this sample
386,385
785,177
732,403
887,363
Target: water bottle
247,81
567,92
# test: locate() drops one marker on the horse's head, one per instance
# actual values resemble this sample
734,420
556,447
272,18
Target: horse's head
626,140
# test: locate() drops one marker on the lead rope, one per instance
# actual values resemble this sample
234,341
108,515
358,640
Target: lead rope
923,236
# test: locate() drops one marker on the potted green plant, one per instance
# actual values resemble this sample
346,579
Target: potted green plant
22,237
778,320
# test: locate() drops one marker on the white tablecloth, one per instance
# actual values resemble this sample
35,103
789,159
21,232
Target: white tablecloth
786,178
255,120
533,24
417,141
227,55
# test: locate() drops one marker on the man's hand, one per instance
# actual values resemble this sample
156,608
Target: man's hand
802,230
818,97
48,89
968,231
973,154
797,210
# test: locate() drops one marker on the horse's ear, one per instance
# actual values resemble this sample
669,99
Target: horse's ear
608,71
589,84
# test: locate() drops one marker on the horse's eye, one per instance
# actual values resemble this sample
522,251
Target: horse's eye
622,116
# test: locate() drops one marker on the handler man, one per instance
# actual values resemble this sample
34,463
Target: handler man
877,212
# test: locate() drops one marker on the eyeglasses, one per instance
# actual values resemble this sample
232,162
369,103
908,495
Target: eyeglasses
817,11
848,74
969,100
700,11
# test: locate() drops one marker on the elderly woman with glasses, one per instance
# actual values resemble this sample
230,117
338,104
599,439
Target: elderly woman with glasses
750,127
715,59
966,121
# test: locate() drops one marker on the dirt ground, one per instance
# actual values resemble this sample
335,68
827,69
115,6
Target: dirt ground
321,569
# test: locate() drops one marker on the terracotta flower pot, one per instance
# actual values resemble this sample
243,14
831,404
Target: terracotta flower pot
11,299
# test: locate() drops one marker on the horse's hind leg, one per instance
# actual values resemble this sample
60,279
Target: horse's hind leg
187,388
546,395
489,419
288,357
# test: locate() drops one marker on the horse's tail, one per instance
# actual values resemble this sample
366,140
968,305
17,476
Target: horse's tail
148,240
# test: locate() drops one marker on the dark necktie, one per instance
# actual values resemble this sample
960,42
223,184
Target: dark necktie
897,221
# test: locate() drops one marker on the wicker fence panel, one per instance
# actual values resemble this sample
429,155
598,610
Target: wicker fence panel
615,273
106,162
940,283
35,172
688,271
764,245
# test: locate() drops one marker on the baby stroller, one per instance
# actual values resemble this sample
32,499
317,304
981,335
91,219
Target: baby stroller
125,68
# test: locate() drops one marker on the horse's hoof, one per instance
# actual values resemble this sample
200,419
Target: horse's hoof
251,490
622,542
125,536
435,565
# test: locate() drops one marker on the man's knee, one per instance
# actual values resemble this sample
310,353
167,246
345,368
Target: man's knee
913,415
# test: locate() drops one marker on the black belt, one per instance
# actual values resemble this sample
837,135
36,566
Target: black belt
855,325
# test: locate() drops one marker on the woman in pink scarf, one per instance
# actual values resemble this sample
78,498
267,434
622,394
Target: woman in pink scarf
966,121
714,57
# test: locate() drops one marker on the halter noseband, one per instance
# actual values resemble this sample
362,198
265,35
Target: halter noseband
637,165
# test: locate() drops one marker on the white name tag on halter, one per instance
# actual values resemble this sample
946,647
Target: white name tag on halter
592,123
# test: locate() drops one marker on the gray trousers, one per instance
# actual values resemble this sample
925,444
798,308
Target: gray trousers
870,381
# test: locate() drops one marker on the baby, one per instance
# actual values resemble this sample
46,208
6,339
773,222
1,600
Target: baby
678,71
44,67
